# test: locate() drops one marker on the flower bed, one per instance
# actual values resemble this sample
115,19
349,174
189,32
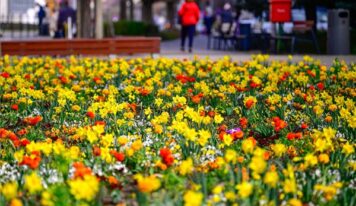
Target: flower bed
86,131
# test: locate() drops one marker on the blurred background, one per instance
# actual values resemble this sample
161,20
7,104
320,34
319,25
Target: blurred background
26,19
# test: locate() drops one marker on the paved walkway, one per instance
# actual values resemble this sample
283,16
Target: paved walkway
171,49
199,47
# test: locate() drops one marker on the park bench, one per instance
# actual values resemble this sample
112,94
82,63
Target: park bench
65,47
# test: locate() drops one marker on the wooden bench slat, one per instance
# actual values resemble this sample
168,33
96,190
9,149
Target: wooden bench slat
122,45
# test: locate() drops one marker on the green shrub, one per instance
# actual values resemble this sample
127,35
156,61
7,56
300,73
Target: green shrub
131,28
135,28
169,34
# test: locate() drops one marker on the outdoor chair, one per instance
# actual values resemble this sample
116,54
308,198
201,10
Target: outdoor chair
215,34
280,37
261,41
303,31
219,32
288,39
229,37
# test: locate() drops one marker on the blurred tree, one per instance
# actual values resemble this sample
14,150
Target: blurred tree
132,8
147,11
84,24
123,8
256,6
171,11
310,9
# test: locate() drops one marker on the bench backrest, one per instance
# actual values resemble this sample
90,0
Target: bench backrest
63,47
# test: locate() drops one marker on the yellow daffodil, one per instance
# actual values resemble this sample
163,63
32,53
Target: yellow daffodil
192,198
244,189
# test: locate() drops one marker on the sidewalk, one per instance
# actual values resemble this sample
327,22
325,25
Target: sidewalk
171,49
199,47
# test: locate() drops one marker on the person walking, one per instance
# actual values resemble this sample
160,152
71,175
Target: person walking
52,22
208,21
226,14
65,12
41,15
189,15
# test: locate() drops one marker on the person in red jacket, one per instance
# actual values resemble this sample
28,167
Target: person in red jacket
189,17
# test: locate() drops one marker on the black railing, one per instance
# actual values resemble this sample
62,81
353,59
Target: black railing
18,26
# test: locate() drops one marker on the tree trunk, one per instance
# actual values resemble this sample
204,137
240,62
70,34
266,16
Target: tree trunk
310,11
132,10
99,23
330,4
198,3
171,12
123,8
83,19
147,11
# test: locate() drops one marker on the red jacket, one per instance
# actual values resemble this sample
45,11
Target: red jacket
189,13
